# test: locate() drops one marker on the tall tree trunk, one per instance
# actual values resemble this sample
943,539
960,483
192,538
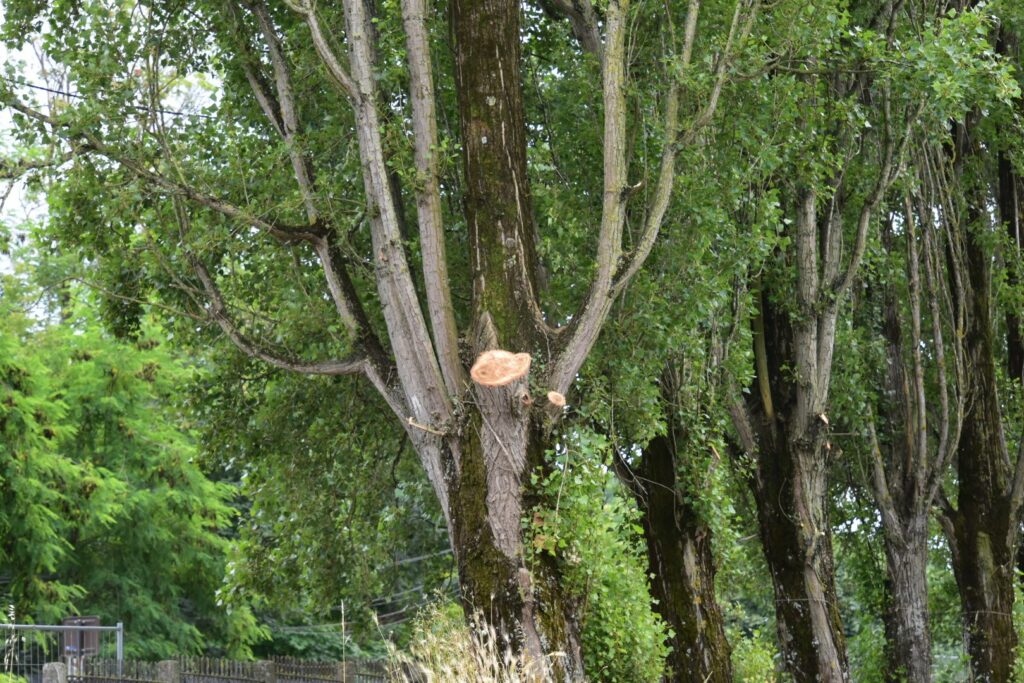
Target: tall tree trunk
906,476
526,605
983,529
908,646
1011,213
983,567
506,438
790,488
498,205
681,562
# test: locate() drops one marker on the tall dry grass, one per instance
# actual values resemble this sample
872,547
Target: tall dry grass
445,648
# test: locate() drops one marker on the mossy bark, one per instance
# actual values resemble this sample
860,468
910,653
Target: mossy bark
503,440
526,605
908,640
496,194
682,568
790,487
980,528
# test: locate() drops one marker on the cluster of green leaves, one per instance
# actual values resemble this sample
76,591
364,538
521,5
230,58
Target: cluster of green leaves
589,524
104,510
336,508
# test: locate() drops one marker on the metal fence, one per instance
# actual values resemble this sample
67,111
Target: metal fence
112,671
25,648
95,654
203,670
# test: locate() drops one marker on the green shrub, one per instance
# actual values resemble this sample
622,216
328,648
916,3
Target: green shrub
591,528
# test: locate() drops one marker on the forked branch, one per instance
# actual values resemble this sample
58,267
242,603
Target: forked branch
218,312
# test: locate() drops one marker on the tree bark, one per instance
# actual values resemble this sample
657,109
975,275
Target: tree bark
982,530
984,565
908,637
681,562
785,427
790,489
498,205
506,436
526,605
1011,189
1011,213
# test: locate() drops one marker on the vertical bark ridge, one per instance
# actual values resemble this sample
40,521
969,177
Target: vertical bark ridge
985,571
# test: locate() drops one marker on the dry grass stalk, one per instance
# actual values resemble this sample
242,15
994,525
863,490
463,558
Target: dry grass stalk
446,649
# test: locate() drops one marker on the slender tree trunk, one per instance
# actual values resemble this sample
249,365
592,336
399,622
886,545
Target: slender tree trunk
681,562
908,646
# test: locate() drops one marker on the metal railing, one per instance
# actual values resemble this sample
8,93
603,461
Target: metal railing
25,648
204,670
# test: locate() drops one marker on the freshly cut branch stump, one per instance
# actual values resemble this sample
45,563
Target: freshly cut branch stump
556,399
499,368
501,387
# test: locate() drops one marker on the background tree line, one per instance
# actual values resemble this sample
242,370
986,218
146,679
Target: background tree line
768,252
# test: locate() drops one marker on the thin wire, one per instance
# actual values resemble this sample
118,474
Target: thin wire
65,93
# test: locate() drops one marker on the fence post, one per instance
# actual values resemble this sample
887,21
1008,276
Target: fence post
345,672
55,672
168,671
120,647
266,672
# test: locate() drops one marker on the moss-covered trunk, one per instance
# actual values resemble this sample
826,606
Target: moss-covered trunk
982,529
908,639
981,526
497,199
503,438
789,487
526,605
682,568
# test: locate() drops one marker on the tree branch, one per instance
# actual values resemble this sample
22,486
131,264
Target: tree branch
288,110
581,15
612,277
428,196
335,70
218,312
89,142
880,486
666,176
892,161
588,322
15,169
416,364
